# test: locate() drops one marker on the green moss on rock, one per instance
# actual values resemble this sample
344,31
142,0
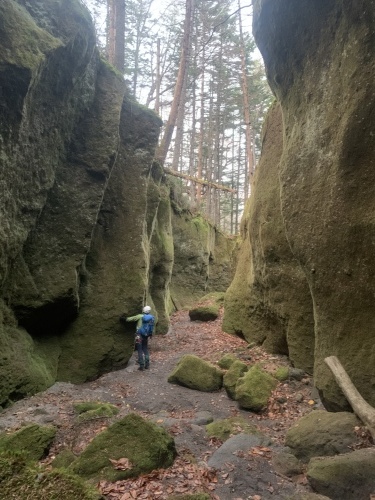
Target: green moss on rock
344,477
225,428
63,459
89,410
195,373
282,373
230,379
146,445
22,479
321,433
33,440
226,361
254,389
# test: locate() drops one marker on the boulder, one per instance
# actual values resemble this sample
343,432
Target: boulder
226,361
321,433
32,440
344,477
286,464
228,427
145,445
20,478
204,313
227,452
236,370
195,373
254,389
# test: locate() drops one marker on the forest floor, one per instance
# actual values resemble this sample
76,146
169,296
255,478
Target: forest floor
244,472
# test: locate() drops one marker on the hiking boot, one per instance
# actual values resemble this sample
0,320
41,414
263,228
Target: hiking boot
141,368
147,366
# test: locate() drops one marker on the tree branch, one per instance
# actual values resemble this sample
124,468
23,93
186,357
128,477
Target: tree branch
199,181
361,408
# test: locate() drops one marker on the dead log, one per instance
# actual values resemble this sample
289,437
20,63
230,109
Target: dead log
199,181
361,408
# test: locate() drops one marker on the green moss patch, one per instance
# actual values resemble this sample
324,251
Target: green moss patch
33,440
195,373
254,389
22,479
230,379
226,361
224,429
146,446
90,410
282,373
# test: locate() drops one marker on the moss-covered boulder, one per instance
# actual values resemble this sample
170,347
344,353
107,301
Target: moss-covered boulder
204,313
196,373
227,427
254,389
226,361
230,379
63,459
286,464
89,410
145,445
321,433
282,373
21,479
33,440
344,477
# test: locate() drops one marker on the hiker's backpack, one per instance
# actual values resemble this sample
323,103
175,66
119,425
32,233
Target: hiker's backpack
147,327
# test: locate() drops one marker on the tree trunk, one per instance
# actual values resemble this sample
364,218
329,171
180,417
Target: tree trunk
196,180
246,111
361,408
162,150
116,34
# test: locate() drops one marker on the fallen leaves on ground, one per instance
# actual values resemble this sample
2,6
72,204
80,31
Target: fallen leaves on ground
181,478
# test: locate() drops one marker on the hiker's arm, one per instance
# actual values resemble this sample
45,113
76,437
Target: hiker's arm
137,317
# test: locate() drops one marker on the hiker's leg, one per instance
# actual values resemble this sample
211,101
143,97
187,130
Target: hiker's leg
145,352
138,344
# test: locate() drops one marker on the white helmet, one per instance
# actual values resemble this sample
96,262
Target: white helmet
147,309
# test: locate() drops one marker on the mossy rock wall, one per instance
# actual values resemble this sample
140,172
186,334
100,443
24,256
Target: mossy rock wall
203,259
269,301
319,58
86,225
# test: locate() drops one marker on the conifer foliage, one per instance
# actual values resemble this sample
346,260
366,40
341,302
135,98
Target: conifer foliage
195,63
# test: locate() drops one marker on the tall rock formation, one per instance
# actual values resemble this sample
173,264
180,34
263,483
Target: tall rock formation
319,58
85,214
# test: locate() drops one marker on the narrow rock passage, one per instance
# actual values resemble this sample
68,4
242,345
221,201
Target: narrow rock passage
242,466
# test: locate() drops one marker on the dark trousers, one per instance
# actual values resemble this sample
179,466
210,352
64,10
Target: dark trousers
141,344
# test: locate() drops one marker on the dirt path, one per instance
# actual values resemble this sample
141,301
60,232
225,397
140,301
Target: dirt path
242,472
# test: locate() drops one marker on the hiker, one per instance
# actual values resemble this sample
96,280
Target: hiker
144,330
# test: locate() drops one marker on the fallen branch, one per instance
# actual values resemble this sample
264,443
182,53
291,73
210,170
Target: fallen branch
361,408
199,181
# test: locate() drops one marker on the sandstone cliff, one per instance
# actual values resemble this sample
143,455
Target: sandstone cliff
86,221
319,58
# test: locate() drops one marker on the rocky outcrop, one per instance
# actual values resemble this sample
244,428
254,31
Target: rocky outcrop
319,59
268,301
86,221
203,259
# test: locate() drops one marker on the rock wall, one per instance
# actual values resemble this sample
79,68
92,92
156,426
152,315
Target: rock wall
268,301
86,221
204,259
319,58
